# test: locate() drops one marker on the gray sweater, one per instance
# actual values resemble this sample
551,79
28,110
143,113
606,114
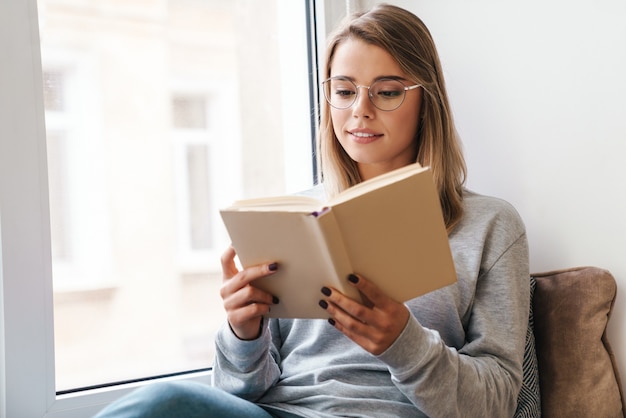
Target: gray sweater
460,354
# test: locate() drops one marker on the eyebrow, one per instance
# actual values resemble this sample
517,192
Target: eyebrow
382,77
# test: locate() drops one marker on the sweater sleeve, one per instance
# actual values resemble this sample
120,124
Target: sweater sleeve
245,368
483,376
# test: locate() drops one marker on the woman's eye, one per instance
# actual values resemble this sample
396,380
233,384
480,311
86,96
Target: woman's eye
388,89
344,92
389,94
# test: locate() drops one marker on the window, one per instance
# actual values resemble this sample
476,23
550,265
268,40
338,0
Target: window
54,82
137,231
54,91
197,150
144,140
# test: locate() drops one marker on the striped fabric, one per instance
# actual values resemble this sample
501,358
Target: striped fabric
529,400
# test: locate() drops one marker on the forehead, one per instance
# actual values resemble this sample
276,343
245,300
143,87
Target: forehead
363,62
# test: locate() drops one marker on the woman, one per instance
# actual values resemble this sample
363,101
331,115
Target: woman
457,351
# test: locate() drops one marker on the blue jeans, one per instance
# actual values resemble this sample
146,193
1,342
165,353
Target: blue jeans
182,400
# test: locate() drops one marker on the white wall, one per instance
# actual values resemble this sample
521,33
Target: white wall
539,95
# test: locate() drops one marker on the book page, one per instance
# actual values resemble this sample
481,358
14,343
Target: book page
293,203
377,182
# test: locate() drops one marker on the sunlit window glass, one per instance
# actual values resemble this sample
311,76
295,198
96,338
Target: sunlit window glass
53,82
201,229
158,113
189,112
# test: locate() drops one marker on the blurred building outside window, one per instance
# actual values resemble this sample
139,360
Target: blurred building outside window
158,113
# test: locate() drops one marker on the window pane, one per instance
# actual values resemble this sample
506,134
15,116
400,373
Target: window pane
199,197
53,88
158,115
57,179
189,112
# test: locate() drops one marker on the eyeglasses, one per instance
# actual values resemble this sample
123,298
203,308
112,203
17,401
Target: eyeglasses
386,94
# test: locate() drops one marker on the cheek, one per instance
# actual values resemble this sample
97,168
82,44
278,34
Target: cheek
405,126
409,118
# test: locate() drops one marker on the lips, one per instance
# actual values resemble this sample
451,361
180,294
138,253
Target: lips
364,136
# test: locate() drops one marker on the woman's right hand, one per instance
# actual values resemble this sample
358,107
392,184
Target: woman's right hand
245,305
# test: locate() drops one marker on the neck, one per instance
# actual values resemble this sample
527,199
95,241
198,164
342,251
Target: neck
369,171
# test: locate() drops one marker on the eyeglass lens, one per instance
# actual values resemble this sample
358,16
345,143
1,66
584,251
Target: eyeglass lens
385,94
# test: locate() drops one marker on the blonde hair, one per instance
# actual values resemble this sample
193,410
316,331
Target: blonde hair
408,40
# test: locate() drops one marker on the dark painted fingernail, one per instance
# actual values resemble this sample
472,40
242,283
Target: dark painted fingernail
326,291
331,321
273,267
323,304
353,278
275,300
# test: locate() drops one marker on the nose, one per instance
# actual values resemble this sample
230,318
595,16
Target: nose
363,106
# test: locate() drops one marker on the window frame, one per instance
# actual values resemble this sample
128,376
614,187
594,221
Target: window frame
27,363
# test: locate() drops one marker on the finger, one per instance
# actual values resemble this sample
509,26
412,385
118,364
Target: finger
372,295
339,305
237,291
246,313
247,295
229,268
253,273
387,314
231,273
373,330
364,334
361,334
246,276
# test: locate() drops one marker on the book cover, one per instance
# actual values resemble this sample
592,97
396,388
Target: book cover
389,229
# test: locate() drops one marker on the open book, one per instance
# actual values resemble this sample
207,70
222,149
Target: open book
389,229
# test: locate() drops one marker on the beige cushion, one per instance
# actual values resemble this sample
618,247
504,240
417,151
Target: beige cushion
577,371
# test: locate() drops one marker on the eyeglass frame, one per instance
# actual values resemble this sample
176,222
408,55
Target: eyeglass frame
369,95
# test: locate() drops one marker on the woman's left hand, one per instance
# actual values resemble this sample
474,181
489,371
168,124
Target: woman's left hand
374,325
